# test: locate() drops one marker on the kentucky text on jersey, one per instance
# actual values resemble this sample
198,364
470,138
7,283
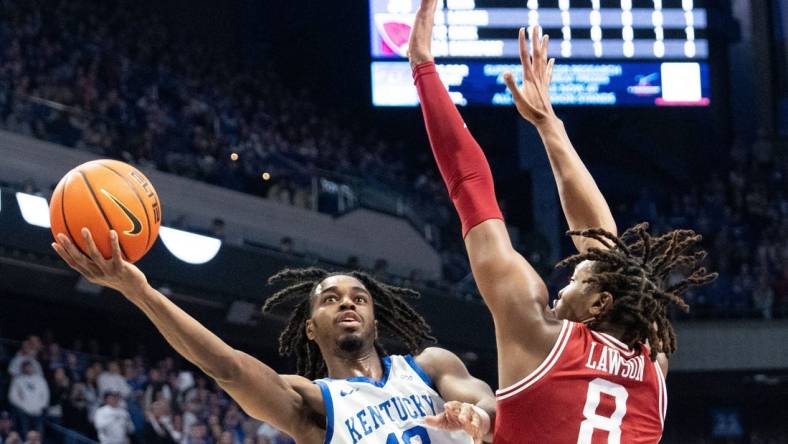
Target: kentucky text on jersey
390,410
396,409
606,359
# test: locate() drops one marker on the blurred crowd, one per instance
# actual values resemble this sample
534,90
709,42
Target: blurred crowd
114,79
742,212
115,401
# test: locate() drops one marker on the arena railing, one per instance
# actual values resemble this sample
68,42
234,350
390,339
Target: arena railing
66,436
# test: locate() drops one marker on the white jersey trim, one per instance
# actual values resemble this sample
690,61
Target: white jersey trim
610,341
663,393
546,365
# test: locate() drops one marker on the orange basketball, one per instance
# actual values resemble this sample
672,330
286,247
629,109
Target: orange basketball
105,195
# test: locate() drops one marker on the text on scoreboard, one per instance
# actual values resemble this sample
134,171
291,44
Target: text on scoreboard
582,29
635,83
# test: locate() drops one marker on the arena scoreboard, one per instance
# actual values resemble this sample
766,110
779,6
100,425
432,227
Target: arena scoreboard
608,52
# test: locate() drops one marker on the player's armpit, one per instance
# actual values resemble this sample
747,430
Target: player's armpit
273,398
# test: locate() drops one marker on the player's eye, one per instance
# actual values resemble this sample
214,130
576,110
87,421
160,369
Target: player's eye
360,299
330,298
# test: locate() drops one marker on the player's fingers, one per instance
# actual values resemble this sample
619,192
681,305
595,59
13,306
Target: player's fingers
525,55
465,414
550,65
437,421
536,41
545,48
508,78
517,95
80,262
453,410
93,251
64,255
117,254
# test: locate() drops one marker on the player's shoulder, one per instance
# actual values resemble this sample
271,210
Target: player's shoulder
437,361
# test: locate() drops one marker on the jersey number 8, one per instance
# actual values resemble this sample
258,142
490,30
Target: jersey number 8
611,424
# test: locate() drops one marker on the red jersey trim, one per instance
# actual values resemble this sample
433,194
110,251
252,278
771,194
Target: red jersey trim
544,367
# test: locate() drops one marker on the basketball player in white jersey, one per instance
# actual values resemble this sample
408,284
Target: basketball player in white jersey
362,395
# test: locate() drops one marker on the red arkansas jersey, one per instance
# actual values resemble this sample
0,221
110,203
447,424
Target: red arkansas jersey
591,389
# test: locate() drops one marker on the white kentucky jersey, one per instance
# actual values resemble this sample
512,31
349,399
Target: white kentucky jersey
361,410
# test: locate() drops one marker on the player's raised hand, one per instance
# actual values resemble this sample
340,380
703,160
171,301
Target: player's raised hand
532,98
462,416
115,273
420,43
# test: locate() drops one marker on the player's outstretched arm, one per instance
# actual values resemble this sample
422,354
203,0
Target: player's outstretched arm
583,204
514,292
258,389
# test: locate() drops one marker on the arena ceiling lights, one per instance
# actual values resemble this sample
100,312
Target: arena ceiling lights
35,209
189,247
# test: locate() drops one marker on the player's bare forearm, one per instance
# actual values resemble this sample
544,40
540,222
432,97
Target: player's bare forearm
187,336
420,43
257,388
583,204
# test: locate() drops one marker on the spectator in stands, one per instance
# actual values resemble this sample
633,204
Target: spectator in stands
226,437
113,380
198,434
13,438
27,353
157,389
781,290
6,426
286,245
267,434
233,422
215,427
763,296
33,437
135,377
55,356
381,268
158,424
91,387
60,392
77,412
29,395
177,428
112,421
217,228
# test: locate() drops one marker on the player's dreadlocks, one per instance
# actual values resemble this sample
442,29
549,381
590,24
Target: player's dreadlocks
635,268
395,316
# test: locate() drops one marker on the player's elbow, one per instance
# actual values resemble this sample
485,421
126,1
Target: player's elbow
226,368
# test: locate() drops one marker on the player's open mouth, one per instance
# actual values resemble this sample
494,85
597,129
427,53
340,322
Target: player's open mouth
349,319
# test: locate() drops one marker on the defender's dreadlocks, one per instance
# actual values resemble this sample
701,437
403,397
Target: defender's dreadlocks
634,269
395,316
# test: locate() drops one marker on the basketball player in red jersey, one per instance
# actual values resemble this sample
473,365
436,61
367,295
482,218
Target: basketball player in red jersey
591,369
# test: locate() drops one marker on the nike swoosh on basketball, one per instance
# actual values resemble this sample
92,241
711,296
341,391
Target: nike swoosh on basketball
136,228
